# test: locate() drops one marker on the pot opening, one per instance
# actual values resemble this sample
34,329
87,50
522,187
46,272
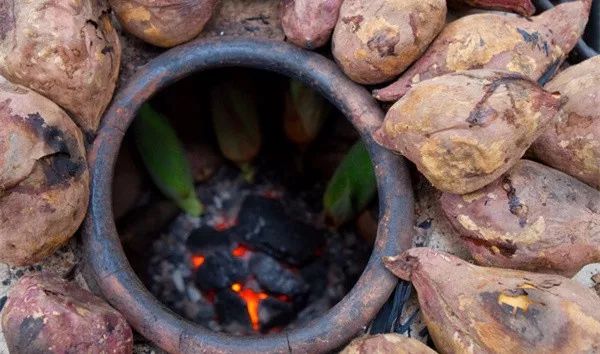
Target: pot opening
265,255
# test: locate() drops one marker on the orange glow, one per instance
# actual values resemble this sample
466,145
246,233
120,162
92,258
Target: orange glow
239,251
252,299
197,261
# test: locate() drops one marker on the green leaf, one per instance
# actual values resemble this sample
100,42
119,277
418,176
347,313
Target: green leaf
304,114
164,158
235,120
351,188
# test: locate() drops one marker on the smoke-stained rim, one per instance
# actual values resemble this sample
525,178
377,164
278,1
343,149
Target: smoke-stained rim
108,266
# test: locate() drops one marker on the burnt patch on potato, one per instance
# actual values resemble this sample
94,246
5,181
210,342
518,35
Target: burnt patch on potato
29,330
514,203
550,72
384,41
354,21
7,18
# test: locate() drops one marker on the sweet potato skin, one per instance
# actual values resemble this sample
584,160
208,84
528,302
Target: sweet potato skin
533,218
464,130
375,40
309,23
521,7
388,343
534,47
45,314
43,176
473,309
164,23
67,51
572,144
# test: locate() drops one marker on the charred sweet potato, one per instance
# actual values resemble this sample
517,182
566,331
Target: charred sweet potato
534,47
522,7
532,218
45,314
464,130
375,40
309,23
572,144
389,343
67,51
43,176
472,309
164,23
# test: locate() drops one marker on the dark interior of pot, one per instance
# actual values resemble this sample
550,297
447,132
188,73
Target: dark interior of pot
264,256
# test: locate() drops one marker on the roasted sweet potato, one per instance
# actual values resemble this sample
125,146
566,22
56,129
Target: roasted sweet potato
389,343
68,51
522,7
164,23
309,23
464,130
534,47
43,176
572,144
45,314
472,309
375,40
532,218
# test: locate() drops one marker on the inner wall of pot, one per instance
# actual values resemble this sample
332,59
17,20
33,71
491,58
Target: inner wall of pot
263,257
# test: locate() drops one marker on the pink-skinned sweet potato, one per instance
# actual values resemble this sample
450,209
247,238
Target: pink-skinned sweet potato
164,23
521,7
375,40
43,176
533,218
572,144
309,23
68,51
45,314
388,343
463,130
534,47
473,309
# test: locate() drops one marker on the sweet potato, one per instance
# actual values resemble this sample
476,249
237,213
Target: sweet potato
522,7
43,176
164,23
67,51
572,144
389,343
532,218
375,40
472,309
45,314
464,130
309,23
534,47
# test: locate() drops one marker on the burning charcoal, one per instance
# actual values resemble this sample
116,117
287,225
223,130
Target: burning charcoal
231,309
274,312
264,225
206,237
274,277
220,270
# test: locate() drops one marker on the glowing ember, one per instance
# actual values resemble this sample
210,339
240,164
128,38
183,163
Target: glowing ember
223,222
197,261
252,300
239,251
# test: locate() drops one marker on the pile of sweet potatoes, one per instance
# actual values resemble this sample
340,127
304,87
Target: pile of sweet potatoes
469,99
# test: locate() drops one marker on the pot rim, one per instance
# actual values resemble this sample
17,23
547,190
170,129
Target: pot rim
107,265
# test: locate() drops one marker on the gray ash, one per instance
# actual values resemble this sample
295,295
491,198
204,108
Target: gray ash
259,260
